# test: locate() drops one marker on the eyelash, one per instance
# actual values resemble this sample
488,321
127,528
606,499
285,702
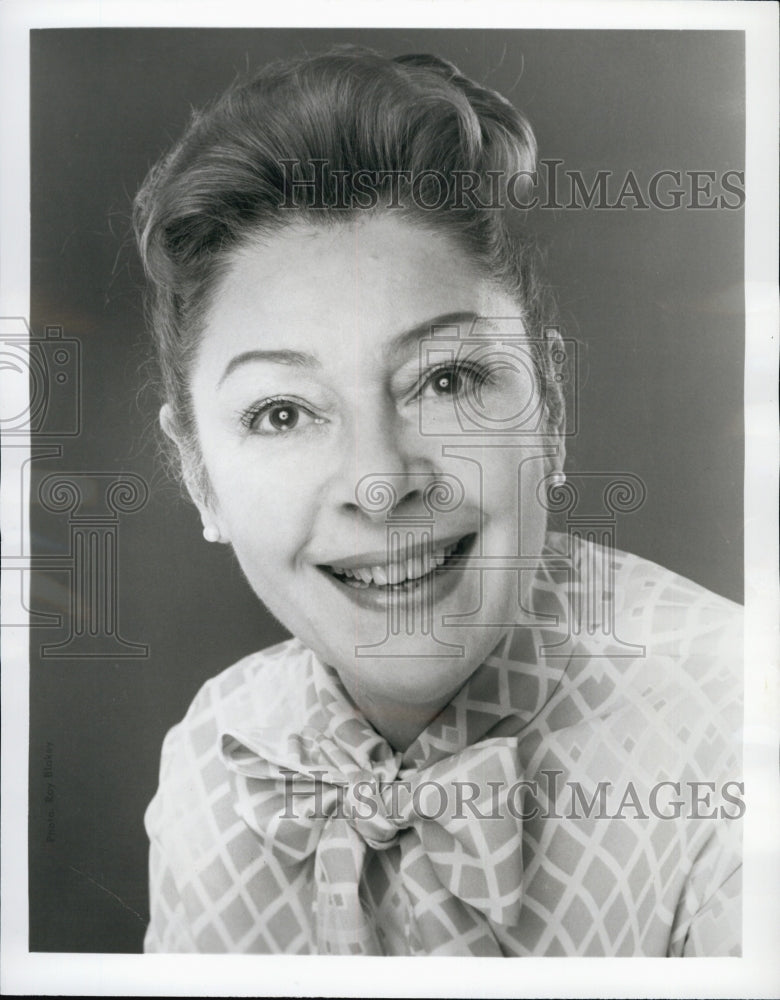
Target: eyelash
476,374
251,416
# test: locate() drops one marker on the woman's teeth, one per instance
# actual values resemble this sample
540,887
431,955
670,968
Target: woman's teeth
396,572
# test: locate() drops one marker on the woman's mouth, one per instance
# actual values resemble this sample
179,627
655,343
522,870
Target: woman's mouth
403,574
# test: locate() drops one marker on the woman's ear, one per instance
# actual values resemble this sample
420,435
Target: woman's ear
558,440
213,529
555,406
555,454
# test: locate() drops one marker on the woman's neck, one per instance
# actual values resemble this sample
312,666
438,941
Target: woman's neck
400,723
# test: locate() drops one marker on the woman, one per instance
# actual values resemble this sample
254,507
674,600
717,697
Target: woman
486,737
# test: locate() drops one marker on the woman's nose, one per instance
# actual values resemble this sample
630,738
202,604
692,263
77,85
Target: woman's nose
386,465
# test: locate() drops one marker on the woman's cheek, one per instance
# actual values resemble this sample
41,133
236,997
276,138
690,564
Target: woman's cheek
268,512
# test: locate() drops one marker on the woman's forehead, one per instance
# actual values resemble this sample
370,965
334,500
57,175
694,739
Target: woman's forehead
375,283
361,247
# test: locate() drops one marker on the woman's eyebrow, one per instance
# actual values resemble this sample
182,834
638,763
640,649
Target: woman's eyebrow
298,359
403,341
398,345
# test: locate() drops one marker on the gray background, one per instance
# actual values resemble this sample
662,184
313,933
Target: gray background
655,298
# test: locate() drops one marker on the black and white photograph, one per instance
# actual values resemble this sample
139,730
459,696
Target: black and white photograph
389,437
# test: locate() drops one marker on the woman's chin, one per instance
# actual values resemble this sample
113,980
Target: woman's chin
414,670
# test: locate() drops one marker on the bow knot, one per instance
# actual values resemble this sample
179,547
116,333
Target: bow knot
305,794
368,808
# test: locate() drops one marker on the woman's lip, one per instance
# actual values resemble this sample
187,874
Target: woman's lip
379,557
440,582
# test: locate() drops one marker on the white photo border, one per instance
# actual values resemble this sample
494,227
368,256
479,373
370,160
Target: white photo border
757,973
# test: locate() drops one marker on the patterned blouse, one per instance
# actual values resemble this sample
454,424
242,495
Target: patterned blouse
580,795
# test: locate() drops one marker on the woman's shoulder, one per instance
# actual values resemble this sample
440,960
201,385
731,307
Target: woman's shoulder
678,618
258,689
646,597
664,650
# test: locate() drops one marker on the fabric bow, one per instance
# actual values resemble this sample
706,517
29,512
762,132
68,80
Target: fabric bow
456,822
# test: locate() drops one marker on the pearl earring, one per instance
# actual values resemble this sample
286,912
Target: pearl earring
557,479
211,533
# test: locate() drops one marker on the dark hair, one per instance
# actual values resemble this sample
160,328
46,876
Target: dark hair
328,118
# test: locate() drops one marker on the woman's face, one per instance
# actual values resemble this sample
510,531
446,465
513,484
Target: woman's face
335,360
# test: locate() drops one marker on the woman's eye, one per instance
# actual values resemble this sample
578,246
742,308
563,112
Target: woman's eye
283,418
446,383
454,380
278,417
